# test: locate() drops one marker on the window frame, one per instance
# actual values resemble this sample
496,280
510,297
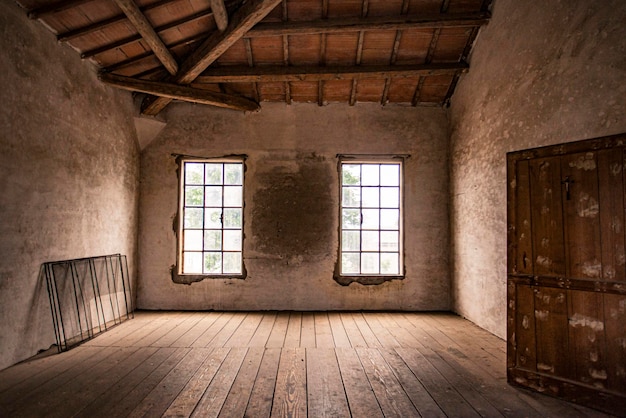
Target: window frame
178,275
370,278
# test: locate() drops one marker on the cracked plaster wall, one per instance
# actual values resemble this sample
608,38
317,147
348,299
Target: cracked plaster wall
542,73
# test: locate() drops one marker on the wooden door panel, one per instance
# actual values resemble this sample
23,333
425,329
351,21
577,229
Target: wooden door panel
526,355
615,336
524,248
552,332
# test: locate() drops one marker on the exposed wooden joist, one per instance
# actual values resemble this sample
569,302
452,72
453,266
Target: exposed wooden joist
220,14
139,21
357,24
56,7
174,91
211,49
288,74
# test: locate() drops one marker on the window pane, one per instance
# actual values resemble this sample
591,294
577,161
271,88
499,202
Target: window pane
193,173
213,196
350,263
213,240
232,218
370,197
370,218
350,240
232,263
389,218
213,263
233,196
350,218
370,241
389,241
351,174
369,263
212,218
390,197
370,175
351,197
192,262
213,173
232,240
390,175
233,173
193,240
193,218
389,263
193,196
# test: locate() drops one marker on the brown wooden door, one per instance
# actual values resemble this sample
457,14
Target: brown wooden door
567,272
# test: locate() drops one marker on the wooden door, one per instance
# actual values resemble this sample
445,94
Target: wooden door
567,272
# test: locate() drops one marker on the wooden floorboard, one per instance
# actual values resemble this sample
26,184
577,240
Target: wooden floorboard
278,364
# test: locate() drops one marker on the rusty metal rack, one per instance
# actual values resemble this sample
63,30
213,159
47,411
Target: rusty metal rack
87,296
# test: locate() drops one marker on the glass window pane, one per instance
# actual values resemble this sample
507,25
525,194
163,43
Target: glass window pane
369,263
350,263
193,173
192,240
389,241
351,174
193,218
390,197
390,175
233,173
370,241
192,262
212,218
370,197
232,218
213,196
213,173
232,263
370,175
213,263
213,240
389,263
233,196
232,240
194,196
350,240
350,218
370,218
351,197
389,218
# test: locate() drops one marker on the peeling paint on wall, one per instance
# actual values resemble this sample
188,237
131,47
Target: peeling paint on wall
586,162
578,320
587,206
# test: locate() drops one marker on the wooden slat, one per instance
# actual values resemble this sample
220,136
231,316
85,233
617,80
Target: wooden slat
526,349
615,337
188,338
260,403
551,325
290,395
55,7
244,333
307,334
220,14
262,333
209,334
360,396
279,330
366,332
323,332
292,337
229,329
523,258
183,327
239,394
340,337
325,392
352,330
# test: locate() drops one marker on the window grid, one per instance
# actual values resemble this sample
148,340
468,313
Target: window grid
384,252
211,241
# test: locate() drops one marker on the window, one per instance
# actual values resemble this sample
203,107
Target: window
211,231
371,218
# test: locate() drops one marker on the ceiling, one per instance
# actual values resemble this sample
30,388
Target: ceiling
238,53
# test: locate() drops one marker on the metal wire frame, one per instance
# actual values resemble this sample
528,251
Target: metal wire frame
87,296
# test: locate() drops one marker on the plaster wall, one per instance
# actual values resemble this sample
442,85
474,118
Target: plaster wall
69,166
291,206
542,73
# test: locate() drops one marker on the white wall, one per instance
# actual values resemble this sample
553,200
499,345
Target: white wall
541,73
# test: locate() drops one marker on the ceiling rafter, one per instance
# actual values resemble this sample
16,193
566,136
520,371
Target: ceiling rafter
220,14
56,7
211,49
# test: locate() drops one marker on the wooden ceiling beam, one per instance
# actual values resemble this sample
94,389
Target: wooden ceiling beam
210,50
140,22
220,14
358,24
56,7
177,92
360,72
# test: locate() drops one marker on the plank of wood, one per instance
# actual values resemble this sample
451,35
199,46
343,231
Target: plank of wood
551,327
187,321
142,333
360,396
262,334
340,337
241,337
325,393
241,390
307,334
352,330
160,398
185,402
290,395
382,334
215,395
277,336
323,332
292,338
366,332
260,403
615,335
524,258
189,337
205,339
116,333
229,329
392,399
220,14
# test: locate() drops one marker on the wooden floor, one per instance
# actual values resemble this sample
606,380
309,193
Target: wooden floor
226,364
